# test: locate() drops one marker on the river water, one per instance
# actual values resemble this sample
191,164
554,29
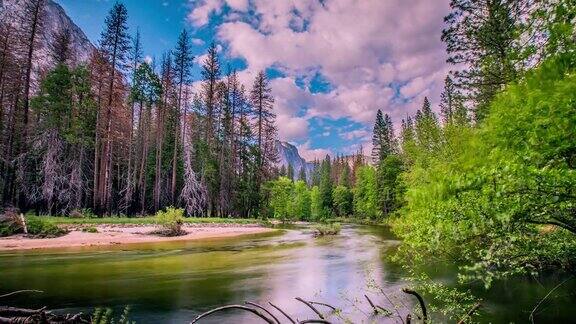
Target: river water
173,282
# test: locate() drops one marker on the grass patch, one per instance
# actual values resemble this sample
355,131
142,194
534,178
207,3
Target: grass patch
42,228
327,229
90,229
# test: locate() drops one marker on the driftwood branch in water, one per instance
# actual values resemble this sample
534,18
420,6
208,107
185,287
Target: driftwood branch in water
14,315
283,313
311,307
264,309
20,292
420,300
315,321
218,309
19,312
469,314
372,305
323,304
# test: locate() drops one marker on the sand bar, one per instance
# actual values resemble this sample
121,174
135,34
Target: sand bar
126,234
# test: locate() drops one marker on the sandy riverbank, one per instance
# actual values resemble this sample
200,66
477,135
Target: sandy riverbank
126,234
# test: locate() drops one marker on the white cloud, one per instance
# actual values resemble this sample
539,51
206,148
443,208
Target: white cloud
359,46
202,9
197,41
352,135
310,154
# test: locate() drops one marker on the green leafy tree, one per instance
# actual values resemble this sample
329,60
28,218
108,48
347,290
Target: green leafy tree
343,204
365,195
325,186
316,209
500,198
301,201
389,184
281,195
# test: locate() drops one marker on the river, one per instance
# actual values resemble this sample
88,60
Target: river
173,282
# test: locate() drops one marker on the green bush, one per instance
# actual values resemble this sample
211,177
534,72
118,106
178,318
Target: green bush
90,229
7,230
171,221
39,227
327,229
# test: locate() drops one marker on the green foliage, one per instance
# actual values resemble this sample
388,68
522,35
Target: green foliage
301,201
501,198
365,195
90,229
171,220
7,230
316,209
40,227
343,204
327,229
106,316
325,186
389,185
281,193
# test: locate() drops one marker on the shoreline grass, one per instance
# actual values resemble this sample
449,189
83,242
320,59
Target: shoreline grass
147,220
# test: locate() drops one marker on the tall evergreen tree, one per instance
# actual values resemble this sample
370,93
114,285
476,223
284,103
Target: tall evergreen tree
383,137
263,102
302,175
484,36
182,65
114,46
326,186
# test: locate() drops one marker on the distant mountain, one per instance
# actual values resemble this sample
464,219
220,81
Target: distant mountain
55,21
288,155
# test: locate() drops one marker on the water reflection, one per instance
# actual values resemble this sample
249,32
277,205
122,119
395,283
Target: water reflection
171,282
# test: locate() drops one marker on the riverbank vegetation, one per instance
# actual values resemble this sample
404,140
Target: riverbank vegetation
490,183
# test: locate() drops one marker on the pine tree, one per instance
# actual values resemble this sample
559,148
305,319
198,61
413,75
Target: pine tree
182,65
61,50
326,186
290,172
211,75
484,36
427,128
263,102
383,137
32,25
302,174
378,137
114,46
136,57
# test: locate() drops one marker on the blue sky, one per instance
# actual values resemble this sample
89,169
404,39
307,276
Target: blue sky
332,63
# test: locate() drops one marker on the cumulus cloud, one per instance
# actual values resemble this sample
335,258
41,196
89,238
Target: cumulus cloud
375,54
311,154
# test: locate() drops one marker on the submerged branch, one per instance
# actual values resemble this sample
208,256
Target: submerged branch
264,309
218,309
311,307
283,313
20,292
420,300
